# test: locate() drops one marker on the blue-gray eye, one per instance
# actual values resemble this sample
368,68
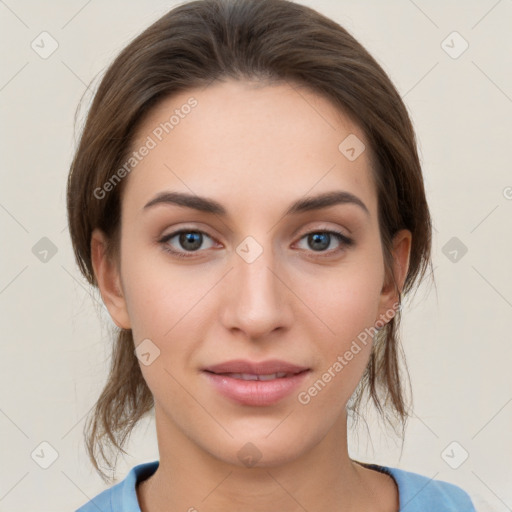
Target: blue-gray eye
189,241
318,241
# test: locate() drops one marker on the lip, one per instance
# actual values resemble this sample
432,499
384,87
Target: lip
255,392
257,368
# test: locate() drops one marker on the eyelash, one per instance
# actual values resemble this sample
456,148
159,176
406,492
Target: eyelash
345,242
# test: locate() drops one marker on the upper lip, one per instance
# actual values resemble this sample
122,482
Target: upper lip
255,368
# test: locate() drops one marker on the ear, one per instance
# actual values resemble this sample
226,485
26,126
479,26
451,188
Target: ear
108,278
390,293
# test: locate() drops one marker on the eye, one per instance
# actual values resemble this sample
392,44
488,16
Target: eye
190,240
321,240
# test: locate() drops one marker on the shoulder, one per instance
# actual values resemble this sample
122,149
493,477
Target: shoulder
418,491
123,495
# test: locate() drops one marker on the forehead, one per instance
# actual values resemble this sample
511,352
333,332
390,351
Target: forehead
238,139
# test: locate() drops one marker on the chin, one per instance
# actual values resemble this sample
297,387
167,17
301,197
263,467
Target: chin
263,447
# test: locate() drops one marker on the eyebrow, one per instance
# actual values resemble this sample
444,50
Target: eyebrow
208,205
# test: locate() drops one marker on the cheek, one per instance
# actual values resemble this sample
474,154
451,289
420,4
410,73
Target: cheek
159,298
347,303
340,301
348,310
346,300
170,307
164,307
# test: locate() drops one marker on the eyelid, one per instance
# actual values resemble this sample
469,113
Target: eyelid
187,228
323,227
296,233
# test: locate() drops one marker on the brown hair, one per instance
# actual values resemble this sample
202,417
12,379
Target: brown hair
268,40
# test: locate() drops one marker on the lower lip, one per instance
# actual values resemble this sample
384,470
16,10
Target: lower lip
255,392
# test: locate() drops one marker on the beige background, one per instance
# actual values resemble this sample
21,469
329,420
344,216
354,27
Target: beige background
457,339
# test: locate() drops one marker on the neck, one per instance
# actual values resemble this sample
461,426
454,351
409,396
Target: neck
190,478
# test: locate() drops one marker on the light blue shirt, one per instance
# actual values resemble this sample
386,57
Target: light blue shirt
417,493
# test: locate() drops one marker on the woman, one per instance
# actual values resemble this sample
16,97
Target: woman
247,197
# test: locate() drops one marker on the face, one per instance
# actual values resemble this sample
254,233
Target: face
251,280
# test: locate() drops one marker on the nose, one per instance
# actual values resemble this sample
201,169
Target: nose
256,296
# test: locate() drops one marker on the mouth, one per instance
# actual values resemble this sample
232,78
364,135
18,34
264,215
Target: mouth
261,377
255,384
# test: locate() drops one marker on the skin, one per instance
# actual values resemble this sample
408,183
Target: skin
255,149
